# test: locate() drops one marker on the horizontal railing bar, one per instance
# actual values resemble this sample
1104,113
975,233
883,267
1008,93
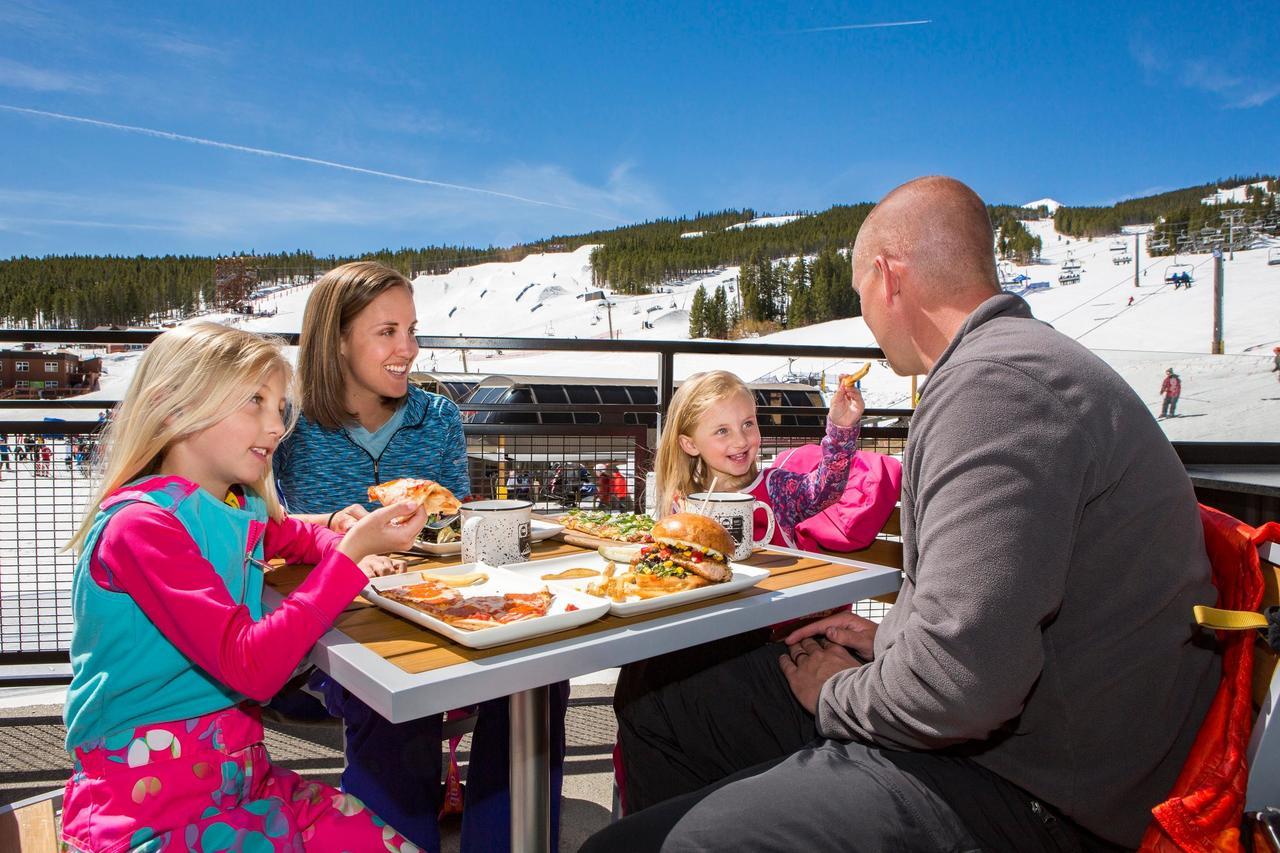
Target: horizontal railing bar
580,408
677,347
63,403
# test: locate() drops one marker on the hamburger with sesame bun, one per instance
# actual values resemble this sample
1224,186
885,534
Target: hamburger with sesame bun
687,547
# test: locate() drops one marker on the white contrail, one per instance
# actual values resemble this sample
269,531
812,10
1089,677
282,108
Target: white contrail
861,26
264,152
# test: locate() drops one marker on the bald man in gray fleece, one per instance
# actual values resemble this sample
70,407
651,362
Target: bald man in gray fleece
1039,681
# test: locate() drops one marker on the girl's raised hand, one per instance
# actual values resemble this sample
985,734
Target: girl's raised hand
390,528
847,405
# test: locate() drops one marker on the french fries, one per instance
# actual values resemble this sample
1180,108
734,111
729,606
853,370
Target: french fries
631,585
851,379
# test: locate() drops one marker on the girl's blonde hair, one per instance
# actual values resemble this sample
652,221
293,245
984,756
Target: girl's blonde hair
339,296
189,378
678,472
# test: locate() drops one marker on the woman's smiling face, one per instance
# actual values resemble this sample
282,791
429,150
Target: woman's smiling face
379,347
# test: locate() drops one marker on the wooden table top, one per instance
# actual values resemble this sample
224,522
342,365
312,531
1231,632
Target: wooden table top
416,649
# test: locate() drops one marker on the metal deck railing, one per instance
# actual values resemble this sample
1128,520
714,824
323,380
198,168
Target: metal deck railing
50,471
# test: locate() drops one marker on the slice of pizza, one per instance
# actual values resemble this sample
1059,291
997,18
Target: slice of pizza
476,612
429,594
430,495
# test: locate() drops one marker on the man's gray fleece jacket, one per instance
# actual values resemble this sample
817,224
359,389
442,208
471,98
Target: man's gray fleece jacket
1052,554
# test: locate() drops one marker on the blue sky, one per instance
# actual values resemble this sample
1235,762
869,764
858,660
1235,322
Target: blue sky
595,114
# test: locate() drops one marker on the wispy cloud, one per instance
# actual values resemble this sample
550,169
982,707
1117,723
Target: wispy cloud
1205,74
6,223
65,24
875,26
16,75
315,161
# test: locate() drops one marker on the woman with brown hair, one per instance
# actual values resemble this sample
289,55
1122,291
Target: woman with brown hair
363,423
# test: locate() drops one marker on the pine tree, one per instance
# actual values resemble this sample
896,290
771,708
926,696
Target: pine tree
718,314
698,314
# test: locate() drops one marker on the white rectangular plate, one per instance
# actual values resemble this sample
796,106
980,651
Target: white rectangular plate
538,530
743,577
500,581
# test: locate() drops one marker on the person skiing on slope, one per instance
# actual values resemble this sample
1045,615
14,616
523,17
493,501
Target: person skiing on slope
1171,388
1276,367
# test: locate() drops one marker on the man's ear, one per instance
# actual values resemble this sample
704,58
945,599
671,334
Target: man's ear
890,277
687,445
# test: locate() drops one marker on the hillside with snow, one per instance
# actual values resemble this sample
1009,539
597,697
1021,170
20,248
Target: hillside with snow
1138,330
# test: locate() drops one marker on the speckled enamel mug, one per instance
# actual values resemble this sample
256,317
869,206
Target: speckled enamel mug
496,533
736,513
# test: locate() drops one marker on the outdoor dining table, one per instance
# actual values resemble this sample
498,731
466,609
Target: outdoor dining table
404,671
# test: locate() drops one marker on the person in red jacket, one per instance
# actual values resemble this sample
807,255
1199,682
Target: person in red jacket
1171,389
617,488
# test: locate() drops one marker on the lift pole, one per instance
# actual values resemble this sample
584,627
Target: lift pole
1215,346
1137,261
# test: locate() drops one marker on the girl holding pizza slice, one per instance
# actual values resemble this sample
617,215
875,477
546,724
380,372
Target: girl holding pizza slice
362,424
172,650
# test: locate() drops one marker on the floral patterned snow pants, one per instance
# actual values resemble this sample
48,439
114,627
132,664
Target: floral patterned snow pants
206,784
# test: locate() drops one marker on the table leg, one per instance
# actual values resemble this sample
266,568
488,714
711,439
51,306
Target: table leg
531,771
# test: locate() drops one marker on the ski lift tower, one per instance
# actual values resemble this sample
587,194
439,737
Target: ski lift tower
1234,220
1215,346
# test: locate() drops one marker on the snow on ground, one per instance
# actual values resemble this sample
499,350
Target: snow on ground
1235,195
764,222
1230,397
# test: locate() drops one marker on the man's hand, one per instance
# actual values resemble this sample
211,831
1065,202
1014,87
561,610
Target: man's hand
844,629
809,664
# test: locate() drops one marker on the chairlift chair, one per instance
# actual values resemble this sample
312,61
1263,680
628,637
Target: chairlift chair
1071,264
1069,278
1119,246
1273,257
1121,259
1179,275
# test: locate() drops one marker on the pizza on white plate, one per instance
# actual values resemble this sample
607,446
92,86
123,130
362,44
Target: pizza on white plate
471,612
430,495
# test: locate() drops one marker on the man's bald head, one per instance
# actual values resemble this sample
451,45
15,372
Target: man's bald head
939,229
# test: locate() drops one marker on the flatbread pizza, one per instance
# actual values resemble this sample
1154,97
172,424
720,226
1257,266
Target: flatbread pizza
619,526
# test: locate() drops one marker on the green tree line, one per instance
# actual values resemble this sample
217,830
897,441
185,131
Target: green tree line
83,291
1172,207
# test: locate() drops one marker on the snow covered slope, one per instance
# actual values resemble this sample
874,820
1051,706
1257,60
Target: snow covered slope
1231,397
1051,204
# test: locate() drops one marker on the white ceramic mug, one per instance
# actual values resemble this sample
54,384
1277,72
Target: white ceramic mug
496,533
736,512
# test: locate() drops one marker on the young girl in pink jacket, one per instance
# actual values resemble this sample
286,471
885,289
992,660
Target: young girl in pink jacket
711,434
172,649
